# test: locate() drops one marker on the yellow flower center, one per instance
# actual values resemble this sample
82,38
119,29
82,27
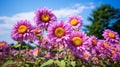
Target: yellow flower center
94,42
35,31
106,45
2,44
112,52
85,55
59,32
45,17
111,35
36,51
77,41
74,22
22,29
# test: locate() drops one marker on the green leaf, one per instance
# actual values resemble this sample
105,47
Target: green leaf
43,58
57,62
27,65
8,62
73,63
103,65
60,50
47,63
17,45
62,64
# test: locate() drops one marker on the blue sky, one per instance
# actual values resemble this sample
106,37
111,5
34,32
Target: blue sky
12,11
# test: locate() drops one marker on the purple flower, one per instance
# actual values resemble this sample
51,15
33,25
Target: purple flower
115,52
86,55
43,17
3,44
37,31
4,48
75,22
111,36
29,53
45,43
35,52
23,31
95,60
14,52
103,48
92,42
48,55
59,32
77,45
77,39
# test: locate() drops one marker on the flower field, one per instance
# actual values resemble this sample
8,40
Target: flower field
58,44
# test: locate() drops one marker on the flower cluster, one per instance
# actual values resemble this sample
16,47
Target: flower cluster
59,39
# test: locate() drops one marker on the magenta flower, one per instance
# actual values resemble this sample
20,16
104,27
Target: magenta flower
4,48
92,42
36,52
103,48
37,31
77,39
45,43
87,55
48,55
59,32
29,53
14,52
110,35
43,17
115,52
75,22
23,31
77,45
95,60
3,44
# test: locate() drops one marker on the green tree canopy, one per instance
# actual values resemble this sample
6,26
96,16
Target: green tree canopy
104,17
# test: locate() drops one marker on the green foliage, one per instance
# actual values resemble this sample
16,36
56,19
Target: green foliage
104,17
58,63
8,63
22,45
73,63
49,62
62,64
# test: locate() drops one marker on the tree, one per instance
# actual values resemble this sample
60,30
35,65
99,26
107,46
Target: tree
116,26
104,17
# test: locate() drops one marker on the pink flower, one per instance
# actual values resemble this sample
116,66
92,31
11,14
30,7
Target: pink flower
43,17
23,31
59,32
92,42
111,36
4,48
78,45
35,52
75,22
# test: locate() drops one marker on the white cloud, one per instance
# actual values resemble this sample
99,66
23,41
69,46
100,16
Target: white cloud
60,13
75,10
65,12
9,21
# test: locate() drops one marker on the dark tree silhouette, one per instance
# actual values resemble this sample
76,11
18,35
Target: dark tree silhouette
104,17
